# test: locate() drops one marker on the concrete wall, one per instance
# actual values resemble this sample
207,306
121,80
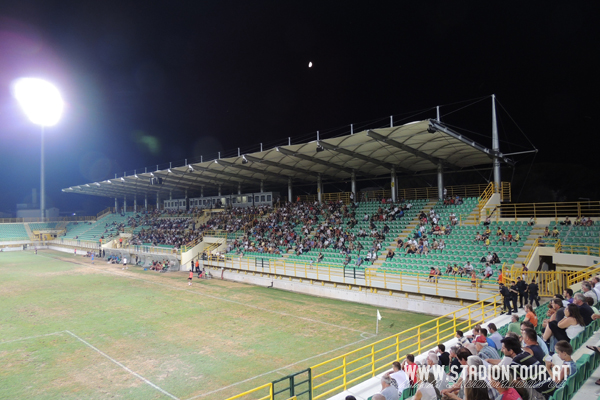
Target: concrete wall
341,292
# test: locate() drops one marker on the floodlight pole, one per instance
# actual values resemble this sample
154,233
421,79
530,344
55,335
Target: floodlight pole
495,147
42,183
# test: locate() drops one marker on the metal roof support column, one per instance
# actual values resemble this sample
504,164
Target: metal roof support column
319,188
201,192
353,184
186,201
116,205
440,176
495,147
262,185
124,203
240,187
146,202
219,190
170,195
393,184
134,203
157,201
290,190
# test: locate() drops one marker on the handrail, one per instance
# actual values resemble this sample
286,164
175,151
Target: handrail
485,196
377,356
475,190
365,362
583,275
556,211
47,219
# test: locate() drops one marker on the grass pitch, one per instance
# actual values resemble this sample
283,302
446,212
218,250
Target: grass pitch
72,330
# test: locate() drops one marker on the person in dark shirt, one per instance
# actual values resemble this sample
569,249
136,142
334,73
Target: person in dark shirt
506,296
443,356
511,347
514,295
530,339
533,291
584,309
521,288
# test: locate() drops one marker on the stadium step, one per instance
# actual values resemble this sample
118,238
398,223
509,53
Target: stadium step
28,230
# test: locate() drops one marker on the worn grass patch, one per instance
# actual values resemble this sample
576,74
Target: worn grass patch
211,340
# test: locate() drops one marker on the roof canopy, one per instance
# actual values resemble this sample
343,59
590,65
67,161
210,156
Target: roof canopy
413,148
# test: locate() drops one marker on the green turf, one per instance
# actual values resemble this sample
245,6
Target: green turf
189,341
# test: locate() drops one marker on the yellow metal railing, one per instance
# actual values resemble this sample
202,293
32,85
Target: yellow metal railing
415,193
340,373
47,219
583,275
549,282
556,211
505,191
266,388
579,249
104,212
327,197
402,281
485,196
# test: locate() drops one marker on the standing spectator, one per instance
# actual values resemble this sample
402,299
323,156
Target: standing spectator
532,291
521,288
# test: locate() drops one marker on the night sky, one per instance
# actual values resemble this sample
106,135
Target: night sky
151,82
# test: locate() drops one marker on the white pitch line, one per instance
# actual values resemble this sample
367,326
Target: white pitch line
32,337
276,370
224,299
122,366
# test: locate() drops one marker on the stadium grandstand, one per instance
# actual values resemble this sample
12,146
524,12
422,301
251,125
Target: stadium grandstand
436,250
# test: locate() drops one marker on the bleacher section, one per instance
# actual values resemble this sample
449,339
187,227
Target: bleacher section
580,235
9,232
42,226
93,231
334,258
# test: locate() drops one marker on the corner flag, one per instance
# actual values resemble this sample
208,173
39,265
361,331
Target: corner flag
378,316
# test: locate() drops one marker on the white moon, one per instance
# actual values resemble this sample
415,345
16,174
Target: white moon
310,64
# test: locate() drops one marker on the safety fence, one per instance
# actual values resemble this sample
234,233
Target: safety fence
577,249
371,278
76,243
72,218
556,211
476,190
583,275
339,373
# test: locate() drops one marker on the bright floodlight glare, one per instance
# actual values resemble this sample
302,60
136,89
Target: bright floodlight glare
40,100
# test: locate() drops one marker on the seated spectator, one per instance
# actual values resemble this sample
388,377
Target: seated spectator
546,232
564,350
399,376
531,221
462,340
567,328
530,315
586,287
566,222
585,310
443,355
514,325
506,387
555,232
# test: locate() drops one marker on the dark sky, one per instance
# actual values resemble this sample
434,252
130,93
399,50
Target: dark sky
151,82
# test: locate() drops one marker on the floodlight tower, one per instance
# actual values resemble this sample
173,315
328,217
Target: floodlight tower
42,103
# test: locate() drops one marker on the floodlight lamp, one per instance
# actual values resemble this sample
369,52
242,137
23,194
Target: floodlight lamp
122,179
244,161
431,130
216,161
191,168
320,148
151,174
40,100
169,170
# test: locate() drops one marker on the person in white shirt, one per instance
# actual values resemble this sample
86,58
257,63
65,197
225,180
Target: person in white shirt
400,376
